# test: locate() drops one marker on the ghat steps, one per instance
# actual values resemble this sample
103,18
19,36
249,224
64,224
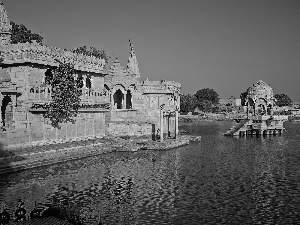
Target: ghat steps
258,125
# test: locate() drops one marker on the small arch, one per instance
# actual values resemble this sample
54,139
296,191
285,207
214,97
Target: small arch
118,98
261,110
6,114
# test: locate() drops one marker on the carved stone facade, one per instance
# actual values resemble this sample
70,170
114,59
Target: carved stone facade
25,66
140,101
23,70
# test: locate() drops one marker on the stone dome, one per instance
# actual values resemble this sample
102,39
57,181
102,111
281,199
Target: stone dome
260,90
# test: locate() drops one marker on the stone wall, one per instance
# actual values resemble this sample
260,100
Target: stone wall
33,128
129,129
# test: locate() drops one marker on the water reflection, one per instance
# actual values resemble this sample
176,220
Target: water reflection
220,180
269,175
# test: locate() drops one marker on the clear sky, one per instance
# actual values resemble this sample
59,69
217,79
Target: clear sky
226,45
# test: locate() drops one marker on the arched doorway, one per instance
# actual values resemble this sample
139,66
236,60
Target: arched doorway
261,110
128,100
118,98
6,111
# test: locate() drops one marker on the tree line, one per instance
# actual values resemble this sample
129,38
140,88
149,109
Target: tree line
207,100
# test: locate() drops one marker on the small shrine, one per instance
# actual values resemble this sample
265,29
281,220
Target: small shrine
260,118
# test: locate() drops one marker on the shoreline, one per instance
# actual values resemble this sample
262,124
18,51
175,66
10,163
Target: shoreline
47,154
209,117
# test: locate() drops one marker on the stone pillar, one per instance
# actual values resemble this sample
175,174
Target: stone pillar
176,122
39,88
84,80
162,122
112,99
1,99
169,125
124,102
14,104
248,110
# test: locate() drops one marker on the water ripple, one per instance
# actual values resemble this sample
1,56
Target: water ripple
220,180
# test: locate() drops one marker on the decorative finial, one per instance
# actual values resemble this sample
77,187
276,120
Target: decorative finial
5,27
132,65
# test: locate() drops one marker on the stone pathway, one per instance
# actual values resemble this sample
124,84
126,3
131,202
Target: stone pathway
70,151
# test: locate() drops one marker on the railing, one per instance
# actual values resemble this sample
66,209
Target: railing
42,93
90,96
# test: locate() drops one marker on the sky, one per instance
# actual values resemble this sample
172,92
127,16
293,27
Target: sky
226,45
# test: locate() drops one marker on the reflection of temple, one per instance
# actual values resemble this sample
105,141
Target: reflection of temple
260,119
107,97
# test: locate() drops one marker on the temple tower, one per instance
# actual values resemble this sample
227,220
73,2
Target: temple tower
5,27
132,65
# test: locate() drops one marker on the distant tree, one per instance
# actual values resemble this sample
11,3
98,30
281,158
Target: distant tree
188,103
283,100
207,94
205,106
207,99
92,51
21,34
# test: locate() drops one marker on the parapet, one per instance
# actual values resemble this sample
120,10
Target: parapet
161,83
171,87
41,54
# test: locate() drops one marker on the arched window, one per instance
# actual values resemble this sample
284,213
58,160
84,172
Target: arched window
48,76
88,82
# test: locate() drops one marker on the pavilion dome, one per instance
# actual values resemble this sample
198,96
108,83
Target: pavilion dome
261,90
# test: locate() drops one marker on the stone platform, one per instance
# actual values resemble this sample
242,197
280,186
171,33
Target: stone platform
258,125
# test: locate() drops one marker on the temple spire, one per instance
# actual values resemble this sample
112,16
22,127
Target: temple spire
132,65
5,27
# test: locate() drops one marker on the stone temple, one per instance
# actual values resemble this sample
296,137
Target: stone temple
114,102
260,119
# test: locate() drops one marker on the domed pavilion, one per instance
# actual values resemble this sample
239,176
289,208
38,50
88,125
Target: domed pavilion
260,99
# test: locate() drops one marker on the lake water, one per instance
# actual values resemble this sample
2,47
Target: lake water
220,180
